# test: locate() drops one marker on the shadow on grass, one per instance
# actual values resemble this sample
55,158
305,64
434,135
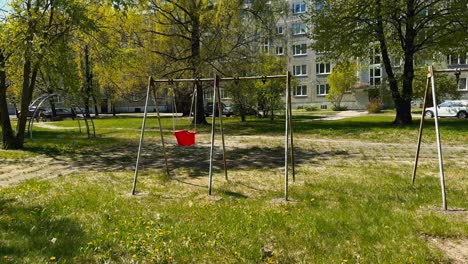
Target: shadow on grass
113,154
35,231
117,154
196,158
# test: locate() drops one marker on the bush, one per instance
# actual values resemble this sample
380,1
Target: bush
311,108
339,108
375,105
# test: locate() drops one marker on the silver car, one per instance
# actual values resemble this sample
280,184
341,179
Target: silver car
455,108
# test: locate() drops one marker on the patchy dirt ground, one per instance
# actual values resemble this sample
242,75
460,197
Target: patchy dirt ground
41,167
456,249
243,153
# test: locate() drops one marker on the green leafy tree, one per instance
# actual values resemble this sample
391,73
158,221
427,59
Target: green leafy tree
30,33
403,28
446,86
200,37
341,79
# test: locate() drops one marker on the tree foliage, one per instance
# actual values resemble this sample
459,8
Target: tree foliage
403,28
446,85
341,79
31,33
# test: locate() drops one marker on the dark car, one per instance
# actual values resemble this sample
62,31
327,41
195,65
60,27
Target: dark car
61,113
227,110
32,111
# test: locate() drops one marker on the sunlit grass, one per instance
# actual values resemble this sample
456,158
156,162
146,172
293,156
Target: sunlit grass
352,202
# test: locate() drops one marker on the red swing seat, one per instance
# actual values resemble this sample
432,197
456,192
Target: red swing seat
184,137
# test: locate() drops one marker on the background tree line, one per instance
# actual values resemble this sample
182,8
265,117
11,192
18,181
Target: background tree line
87,48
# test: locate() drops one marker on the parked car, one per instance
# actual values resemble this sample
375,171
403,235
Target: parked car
32,110
60,114
455,108
227,110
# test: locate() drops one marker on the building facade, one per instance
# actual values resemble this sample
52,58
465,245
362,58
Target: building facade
311,69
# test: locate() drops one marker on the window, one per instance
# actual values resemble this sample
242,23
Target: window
300,49
279,30
279,50
266,46
299,29
323,68
452,59
322,89
463,59
375,56
301,90
299,8
224,94
457,59
375,76
463,84
300,70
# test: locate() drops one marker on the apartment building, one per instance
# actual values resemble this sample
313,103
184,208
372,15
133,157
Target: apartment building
311,69
460,61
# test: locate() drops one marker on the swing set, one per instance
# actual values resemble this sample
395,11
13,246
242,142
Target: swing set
430,81
186,138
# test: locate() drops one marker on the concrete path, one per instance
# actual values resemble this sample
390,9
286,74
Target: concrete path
345,114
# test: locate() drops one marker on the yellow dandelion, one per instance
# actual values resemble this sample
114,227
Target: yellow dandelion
52,258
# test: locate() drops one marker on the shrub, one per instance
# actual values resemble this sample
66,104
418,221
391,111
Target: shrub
339,108
375,105
311,108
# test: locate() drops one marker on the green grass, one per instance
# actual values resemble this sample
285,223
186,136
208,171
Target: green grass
352,202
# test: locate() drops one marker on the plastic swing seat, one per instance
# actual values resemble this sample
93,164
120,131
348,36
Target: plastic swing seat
184,137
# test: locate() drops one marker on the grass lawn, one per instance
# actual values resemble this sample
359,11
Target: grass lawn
352,201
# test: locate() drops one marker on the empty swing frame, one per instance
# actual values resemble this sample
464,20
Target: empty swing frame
430,81
288,138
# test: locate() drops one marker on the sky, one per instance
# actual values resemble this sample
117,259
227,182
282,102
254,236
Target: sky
3,6
3,3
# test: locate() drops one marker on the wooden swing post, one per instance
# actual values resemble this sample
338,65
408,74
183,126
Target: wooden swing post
213,122
220,111
431,81
156,106
418,148
142,135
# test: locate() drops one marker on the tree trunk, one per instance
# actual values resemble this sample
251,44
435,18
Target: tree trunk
114,114
96,110
87,83
8,137
29,82
402,103
195,64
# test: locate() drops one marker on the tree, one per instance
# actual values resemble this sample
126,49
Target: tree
28,36
341,79
199,37
405,28
446,86
269,92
